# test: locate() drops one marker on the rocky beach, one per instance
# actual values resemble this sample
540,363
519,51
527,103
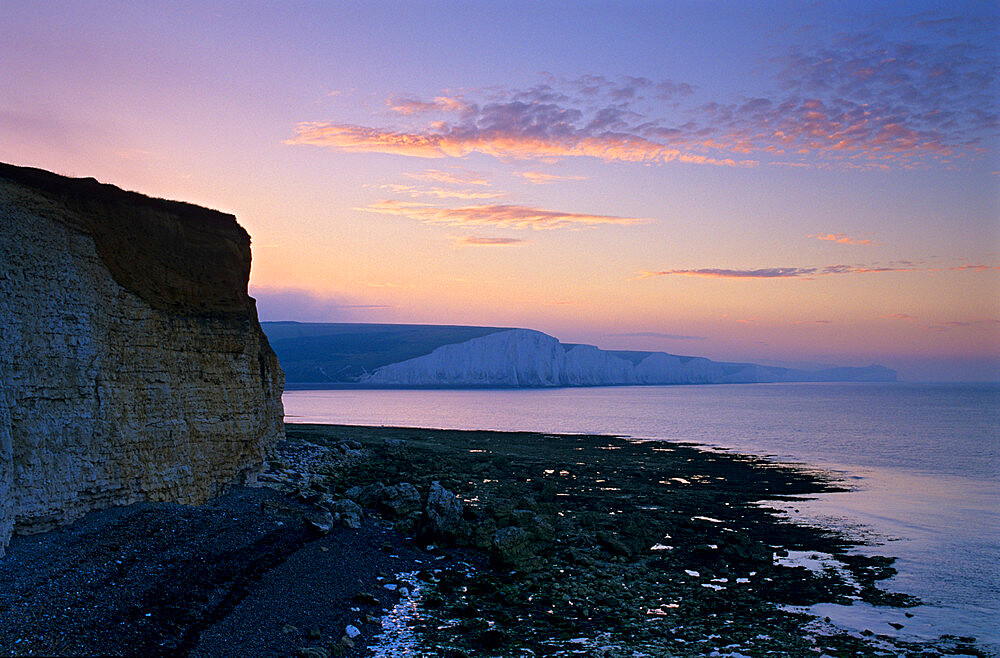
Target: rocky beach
500,330
394,541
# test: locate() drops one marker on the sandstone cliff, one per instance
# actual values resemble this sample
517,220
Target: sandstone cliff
132,365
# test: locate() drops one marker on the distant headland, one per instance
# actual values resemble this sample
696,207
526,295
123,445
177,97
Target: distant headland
411,355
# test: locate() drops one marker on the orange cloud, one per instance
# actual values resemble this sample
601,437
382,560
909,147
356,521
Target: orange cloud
442,193
840,238
359,139
498,143
499,215
413,106
973,268
476,241
451,177
541,178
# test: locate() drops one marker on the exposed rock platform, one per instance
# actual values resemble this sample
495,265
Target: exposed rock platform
564,545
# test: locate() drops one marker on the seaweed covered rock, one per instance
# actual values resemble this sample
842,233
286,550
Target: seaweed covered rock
512,546
400,500
443,511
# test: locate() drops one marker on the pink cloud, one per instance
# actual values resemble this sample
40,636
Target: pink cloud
499,215
840,238
773,272
450,177
499,143
541,178
439,104
862,101
974,268
717,273
359,139
835,129
476,241
442,193
944,84
864,269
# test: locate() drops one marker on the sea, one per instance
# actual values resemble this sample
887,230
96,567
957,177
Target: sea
921,461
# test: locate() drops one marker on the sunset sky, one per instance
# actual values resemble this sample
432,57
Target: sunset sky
803,182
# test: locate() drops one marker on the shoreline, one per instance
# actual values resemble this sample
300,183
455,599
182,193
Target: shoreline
562,543
348,386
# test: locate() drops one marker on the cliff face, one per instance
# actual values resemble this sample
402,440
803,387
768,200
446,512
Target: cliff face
132,365
522,357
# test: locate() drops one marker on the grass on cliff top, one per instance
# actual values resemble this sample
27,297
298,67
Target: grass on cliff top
313,352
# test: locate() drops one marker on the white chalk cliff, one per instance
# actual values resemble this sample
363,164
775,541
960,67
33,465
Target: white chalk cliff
525,358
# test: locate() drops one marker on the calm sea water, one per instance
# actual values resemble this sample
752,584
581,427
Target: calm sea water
923,462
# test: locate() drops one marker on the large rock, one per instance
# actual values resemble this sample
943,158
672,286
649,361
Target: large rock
512,546
132,365
444,511
400,499
367,496
347,511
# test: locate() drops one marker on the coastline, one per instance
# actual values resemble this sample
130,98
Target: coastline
564,543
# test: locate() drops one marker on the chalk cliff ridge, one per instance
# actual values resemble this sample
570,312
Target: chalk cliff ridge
132,364
528,358
331,354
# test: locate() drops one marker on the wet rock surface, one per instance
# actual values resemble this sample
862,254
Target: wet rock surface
444,511
591,545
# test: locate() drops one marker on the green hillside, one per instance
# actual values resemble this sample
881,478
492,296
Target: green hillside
339,353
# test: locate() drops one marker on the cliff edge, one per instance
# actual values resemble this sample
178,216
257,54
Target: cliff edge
132,364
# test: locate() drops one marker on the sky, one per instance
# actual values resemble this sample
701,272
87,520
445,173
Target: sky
791,182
